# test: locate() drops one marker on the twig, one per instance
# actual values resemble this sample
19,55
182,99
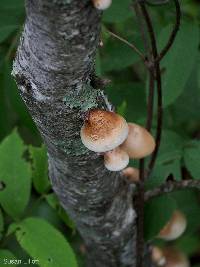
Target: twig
153,65
128,43
170,186
154,70
150,101
174,31
159,121
142,27
141,189
159,86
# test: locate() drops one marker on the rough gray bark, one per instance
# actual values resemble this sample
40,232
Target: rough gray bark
52,69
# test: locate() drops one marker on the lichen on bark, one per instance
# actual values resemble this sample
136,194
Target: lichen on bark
85,99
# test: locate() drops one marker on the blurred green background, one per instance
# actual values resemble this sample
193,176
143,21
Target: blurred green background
32,223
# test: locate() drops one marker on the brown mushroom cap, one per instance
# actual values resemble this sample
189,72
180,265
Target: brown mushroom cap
102,4
175,227
103,131
116,159
139,143
132,174
175,258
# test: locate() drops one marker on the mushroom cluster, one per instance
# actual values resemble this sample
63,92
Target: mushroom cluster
169,257
108,133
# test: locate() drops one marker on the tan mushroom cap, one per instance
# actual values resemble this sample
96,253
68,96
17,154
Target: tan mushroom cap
103,131
102,4
132,174
116,159
158,256
175,258
139,143
175,227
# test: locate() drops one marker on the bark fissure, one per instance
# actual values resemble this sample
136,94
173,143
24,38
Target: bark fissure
54,62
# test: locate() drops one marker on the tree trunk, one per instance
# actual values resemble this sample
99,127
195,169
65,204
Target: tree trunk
52,69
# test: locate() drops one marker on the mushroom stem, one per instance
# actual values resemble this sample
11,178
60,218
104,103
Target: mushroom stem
116,159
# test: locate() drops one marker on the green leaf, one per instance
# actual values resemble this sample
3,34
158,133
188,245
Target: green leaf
5,113
45,243
116,55
5,31
11,17
192,158
7,258
38,207
11,12
39,168
121,109
54,203
118,11
158,211
15,176
188,244
184,110
178,63
198,71
1,223
10,4
169,157
133,95
18,107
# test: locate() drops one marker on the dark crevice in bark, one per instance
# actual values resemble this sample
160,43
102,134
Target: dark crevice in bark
53,67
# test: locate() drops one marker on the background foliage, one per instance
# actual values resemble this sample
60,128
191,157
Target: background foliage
32,223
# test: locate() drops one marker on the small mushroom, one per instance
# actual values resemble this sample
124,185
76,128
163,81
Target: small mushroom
116,159
157,256
132,174
175,258
139,143
174,228
103,130
102,4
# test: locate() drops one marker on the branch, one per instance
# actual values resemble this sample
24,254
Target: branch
157,59
174,31
157,71
53,69
132,46
141,26
171,186
155,74
150,101
154,69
